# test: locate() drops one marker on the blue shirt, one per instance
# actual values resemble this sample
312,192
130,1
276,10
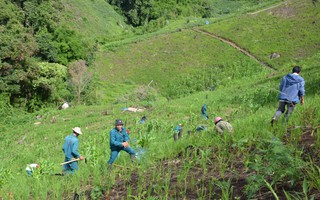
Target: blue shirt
70,147
177,129
292,88
117,138
204,109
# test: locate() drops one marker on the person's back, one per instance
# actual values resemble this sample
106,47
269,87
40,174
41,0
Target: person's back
224,126
291,88
70,146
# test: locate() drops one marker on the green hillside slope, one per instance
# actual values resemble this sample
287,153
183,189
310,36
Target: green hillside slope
93,19
290,30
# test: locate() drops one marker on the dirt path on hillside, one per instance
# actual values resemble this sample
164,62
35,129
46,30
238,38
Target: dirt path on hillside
259,11
236,46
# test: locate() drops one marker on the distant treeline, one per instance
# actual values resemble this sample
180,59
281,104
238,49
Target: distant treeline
143,12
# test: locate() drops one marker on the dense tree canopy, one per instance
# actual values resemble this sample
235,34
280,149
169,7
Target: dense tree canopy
29,33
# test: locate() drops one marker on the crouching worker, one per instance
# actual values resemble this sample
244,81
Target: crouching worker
70,149
119,141
31,167
222,126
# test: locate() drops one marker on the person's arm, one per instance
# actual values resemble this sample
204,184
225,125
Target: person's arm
301,93
126,138
302,100
219,129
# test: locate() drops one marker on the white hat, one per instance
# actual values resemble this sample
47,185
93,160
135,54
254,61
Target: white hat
77,130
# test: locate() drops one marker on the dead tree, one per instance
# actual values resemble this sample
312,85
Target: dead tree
80,77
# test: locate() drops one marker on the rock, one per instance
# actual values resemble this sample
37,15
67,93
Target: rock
64,106
274,56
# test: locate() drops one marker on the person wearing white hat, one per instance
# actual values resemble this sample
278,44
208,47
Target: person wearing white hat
70,149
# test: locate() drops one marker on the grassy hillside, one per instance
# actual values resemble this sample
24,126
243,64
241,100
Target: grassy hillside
94,20
256,161
289,30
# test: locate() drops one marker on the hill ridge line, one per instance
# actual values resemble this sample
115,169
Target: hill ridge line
236,46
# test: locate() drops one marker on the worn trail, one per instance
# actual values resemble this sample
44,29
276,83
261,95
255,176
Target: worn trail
236,46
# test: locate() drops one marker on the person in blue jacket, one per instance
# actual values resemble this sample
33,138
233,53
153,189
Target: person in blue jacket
177,132
118,142
70,149
204,111
291,92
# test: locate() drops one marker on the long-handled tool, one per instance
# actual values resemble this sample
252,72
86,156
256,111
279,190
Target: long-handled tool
73,160
70,161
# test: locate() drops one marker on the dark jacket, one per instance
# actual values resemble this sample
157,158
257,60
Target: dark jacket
117,138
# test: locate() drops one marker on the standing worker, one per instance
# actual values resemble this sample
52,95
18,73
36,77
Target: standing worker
204,112
291,92
119,141
222,126
177,132
70,149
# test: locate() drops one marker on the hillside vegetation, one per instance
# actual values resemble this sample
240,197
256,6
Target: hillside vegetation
172,74
94,20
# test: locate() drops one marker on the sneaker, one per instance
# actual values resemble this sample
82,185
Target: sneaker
133,157
273,121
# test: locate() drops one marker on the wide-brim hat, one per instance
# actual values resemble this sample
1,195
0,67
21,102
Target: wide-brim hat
77,130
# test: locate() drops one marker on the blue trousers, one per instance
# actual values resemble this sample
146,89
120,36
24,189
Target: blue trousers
115,152
70,168
29,172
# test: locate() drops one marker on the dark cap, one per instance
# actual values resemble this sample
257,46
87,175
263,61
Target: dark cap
118,122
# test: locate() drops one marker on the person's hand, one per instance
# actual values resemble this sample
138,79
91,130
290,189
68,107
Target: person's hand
81,158
302,101
125,144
